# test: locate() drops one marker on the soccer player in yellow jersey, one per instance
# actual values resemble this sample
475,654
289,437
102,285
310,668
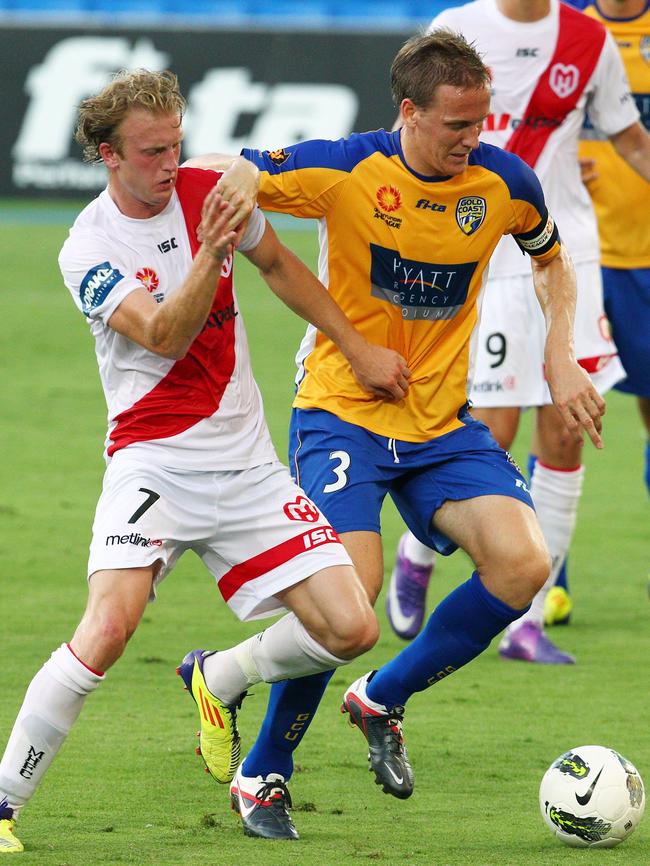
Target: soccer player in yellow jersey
408,221
623,207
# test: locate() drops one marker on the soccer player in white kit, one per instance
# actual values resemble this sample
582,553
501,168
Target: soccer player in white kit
550,66
190,459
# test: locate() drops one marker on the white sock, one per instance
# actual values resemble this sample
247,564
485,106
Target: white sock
417,552
52,703
283,651
556,493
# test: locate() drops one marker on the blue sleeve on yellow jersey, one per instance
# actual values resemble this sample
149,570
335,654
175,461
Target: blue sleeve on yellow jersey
523,184
342,155
519,177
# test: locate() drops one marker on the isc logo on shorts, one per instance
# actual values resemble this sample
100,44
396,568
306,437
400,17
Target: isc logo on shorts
302,509
322,535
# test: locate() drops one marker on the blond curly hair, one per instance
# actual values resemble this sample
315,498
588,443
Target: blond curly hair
101,115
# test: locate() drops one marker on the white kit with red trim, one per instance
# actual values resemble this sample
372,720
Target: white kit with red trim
204,410
545,75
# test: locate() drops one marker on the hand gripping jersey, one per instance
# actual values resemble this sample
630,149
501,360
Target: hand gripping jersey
546,75
620,196
405,257
204,411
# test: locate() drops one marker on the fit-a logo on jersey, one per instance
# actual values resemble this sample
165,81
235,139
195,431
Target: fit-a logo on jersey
470,213
149,279
389,199
423,290
96,285
425,204
563,80
302,509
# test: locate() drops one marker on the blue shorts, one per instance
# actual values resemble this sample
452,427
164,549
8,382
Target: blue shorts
347,471
627,304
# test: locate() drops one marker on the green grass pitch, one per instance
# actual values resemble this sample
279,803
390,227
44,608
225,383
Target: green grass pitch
127,787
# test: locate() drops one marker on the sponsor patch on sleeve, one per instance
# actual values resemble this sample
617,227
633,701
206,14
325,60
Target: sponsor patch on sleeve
96,286
540,239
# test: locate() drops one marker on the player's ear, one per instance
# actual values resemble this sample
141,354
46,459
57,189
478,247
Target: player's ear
108,154
407,112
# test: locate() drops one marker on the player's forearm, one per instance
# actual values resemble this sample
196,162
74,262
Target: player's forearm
302,292
179,319
633,145
214,161
555,286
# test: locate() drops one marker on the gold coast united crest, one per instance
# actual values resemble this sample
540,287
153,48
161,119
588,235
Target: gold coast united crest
470,213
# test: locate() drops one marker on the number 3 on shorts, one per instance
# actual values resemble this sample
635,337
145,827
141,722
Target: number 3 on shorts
341,478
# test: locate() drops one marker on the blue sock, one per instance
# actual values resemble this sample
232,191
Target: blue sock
532,460
292,705
562,578
647,465
458,630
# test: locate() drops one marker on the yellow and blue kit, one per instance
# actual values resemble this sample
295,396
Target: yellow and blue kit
405,257
620,196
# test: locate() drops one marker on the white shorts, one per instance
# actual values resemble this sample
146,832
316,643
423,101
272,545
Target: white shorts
255,529
509,368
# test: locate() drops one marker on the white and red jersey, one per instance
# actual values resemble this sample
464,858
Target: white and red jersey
203,412
546,75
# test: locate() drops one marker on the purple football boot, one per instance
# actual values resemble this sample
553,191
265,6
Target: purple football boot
528,643
407,595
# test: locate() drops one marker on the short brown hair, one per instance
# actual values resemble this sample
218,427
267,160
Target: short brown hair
425,62
100,116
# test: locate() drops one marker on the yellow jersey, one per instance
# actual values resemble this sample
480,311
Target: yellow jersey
622,198
405,256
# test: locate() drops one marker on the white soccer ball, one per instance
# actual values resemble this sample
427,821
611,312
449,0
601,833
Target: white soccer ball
592,797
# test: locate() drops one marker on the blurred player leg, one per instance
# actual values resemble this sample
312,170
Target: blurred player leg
558,603
407,591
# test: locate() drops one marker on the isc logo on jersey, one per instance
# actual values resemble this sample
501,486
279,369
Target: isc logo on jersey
470,213
96,285
322,535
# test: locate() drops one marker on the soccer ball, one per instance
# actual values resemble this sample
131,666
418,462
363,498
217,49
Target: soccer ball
591,797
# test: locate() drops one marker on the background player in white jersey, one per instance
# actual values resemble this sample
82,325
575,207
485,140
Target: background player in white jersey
622,205
550,65
190,459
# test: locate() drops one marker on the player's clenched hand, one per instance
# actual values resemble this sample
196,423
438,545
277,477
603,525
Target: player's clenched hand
580,405
238,185
214,231
381,371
